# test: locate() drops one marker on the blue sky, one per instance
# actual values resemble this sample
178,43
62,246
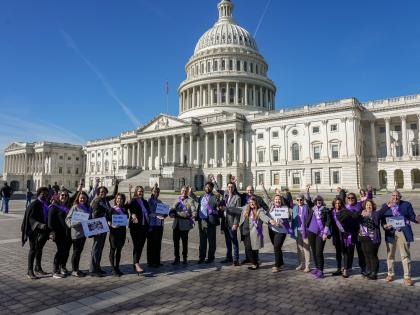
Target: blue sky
85,69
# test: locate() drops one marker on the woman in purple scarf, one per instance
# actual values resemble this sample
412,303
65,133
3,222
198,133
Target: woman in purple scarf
345,226
300,233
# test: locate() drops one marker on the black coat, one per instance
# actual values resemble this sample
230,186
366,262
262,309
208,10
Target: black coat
34,223
117,235
134,208
350,222
57,222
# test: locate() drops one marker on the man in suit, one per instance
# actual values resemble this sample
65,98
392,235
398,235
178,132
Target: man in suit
250,192
208,220
35,229
399,237
183,212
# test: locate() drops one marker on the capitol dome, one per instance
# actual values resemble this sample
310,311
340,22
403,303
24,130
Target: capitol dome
226,72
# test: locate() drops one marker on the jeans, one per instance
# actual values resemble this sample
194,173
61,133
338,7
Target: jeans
36,245
5,205
231,238
97,248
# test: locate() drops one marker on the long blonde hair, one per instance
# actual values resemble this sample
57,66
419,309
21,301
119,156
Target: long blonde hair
248,208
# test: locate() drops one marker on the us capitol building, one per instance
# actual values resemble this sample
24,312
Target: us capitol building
228,126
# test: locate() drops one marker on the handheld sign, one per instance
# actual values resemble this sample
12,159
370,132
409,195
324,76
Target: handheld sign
79,216
162,209
95,227
396,222
280,213
119,220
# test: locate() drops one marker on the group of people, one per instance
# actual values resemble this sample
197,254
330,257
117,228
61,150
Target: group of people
350,223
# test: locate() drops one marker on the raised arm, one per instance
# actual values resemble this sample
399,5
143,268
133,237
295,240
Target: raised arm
115,192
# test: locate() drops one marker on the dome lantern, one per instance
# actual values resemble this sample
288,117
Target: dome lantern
225,10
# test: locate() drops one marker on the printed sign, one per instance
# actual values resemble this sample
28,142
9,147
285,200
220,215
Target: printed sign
162,209
396,222
79,216
95,227
119,220
280,213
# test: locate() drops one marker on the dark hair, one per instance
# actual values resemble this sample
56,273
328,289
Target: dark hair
76,201
99,189
341,203
352,194
210,184
371,201
319,197
122,197
40,190
235,189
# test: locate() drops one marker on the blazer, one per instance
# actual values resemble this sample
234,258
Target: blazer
406,210
182,220
229,219
134,208
214,203
260,201
100,207
76,227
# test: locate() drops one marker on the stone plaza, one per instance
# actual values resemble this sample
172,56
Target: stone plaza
198,289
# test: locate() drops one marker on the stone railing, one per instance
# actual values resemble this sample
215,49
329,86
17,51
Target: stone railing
402,100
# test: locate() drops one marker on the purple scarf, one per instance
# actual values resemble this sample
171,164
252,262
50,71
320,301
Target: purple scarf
84,208
285,223
356,207
210,210
343,233
365,232
396,213
45,209
317,213
255,223
184,208
302,212
118,210
143,210
62,208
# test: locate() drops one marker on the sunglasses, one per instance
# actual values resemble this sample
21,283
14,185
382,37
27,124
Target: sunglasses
299,199
64,195
351,198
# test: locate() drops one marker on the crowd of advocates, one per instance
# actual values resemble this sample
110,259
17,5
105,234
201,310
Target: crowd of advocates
68,219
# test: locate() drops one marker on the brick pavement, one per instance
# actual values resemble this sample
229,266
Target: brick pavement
212,289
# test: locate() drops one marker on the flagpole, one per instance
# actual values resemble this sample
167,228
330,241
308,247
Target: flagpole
167,97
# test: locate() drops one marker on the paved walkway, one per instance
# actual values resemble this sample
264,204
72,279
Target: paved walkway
208,289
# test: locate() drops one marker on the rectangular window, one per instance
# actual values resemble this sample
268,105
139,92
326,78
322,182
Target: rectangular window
215,66
399,151
251,66
276,179
334,128
60,170
261,156
317,178
382,151
315,129
275,155
61,157
260,136
296,179
260,178
413,126
317,153
334,151
245,66
77,159
69,158
275,134
398,128
223,65
69,170
382,129
415,149
238,65
231,65
335,177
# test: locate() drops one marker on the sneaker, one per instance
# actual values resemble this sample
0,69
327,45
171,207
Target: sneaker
373,276
115,273
253,267
236,263
408,282
185,262
319,275
307,269
57,275
299,268
209,261
40,272
337,273
31,275
64,271
96,274
201,261
275,269
78,274
389,279
102,272
314,271
345,273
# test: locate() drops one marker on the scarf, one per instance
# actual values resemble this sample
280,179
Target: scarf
317,213
84,208
206,204
145,214
62,208
184,208
367,229
302,212
118,210
45,209
254,222
353,208
343,233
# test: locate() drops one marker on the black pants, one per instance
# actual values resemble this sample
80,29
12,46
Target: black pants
154,245
68,243
207,234
115,257
97,249
139,236
345,253
251,254
183,235
277,239
78,245
62,254
370,251
36,245
317,245
360,256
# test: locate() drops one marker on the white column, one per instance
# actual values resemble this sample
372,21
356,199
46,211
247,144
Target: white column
266,98
181,157
125,156
145,162
308,142
388,137
254,98
200,99
324,136
219,96
159,153
152,154
208,95
261,97
138,154
268,155
198,150
237,94
283,144
247,149
224,148
166,149
246,94
188,99
194,96
235,147
404,134
241,148
227,94
373,138
190,159
206,150
43,162
254,148
133,157
215,164
418,128
174,149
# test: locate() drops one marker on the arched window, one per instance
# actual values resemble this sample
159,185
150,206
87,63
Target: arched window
238,65
245,66
223,95
256,69
231,95
295,152
230,64
215,65
223,65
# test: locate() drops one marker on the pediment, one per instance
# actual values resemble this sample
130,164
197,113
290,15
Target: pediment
15,146
162,122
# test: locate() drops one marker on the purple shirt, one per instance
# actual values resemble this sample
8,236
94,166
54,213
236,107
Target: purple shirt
313,226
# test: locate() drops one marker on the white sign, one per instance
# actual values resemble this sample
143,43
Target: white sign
396,222
162,209
95,227
280,213
119,220
78,216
